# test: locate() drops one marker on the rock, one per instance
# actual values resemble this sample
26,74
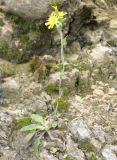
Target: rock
44,155
68,79
48,58
99,133
96,144
113,148
45,97
112,91
108,154
7,154
93,37
98,92
100,53
33,89
27,9
73,151
113,23
101,3
79,129
10,84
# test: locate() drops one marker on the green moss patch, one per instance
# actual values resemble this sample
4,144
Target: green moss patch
1,23
92,157
52,89
31,36
86,146
63,104
22,122
68,158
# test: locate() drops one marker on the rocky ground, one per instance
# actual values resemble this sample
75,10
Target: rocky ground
88,123
87,113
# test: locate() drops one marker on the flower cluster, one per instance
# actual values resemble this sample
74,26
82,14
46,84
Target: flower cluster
55,18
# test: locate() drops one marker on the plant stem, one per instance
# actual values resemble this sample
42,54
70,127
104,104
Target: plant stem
63,67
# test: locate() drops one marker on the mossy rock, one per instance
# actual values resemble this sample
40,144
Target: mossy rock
92,157
32,37
86,146
8,69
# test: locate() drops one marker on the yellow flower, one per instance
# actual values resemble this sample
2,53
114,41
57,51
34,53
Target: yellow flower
52,21
61,14
55,18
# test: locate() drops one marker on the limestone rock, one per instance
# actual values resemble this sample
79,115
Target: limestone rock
33,9
100,53
73,150
10,84
79,129
68,79
108,154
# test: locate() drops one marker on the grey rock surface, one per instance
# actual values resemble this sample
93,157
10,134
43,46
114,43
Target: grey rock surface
79,129
34,9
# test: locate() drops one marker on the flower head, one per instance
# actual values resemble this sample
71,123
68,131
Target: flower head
55,18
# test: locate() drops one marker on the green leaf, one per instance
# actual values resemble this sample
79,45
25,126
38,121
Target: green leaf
54,124
32,127
36,147
37,118
29,136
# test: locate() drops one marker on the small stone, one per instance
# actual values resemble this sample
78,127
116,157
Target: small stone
113,23
48,58
112,91
98,92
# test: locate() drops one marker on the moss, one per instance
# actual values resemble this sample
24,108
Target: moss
8,69
22,122
68,158
63,127
1,23
92,157
23,25
32,37
52,89
63,104
86,146
24,39
10,53
53,67
66,91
